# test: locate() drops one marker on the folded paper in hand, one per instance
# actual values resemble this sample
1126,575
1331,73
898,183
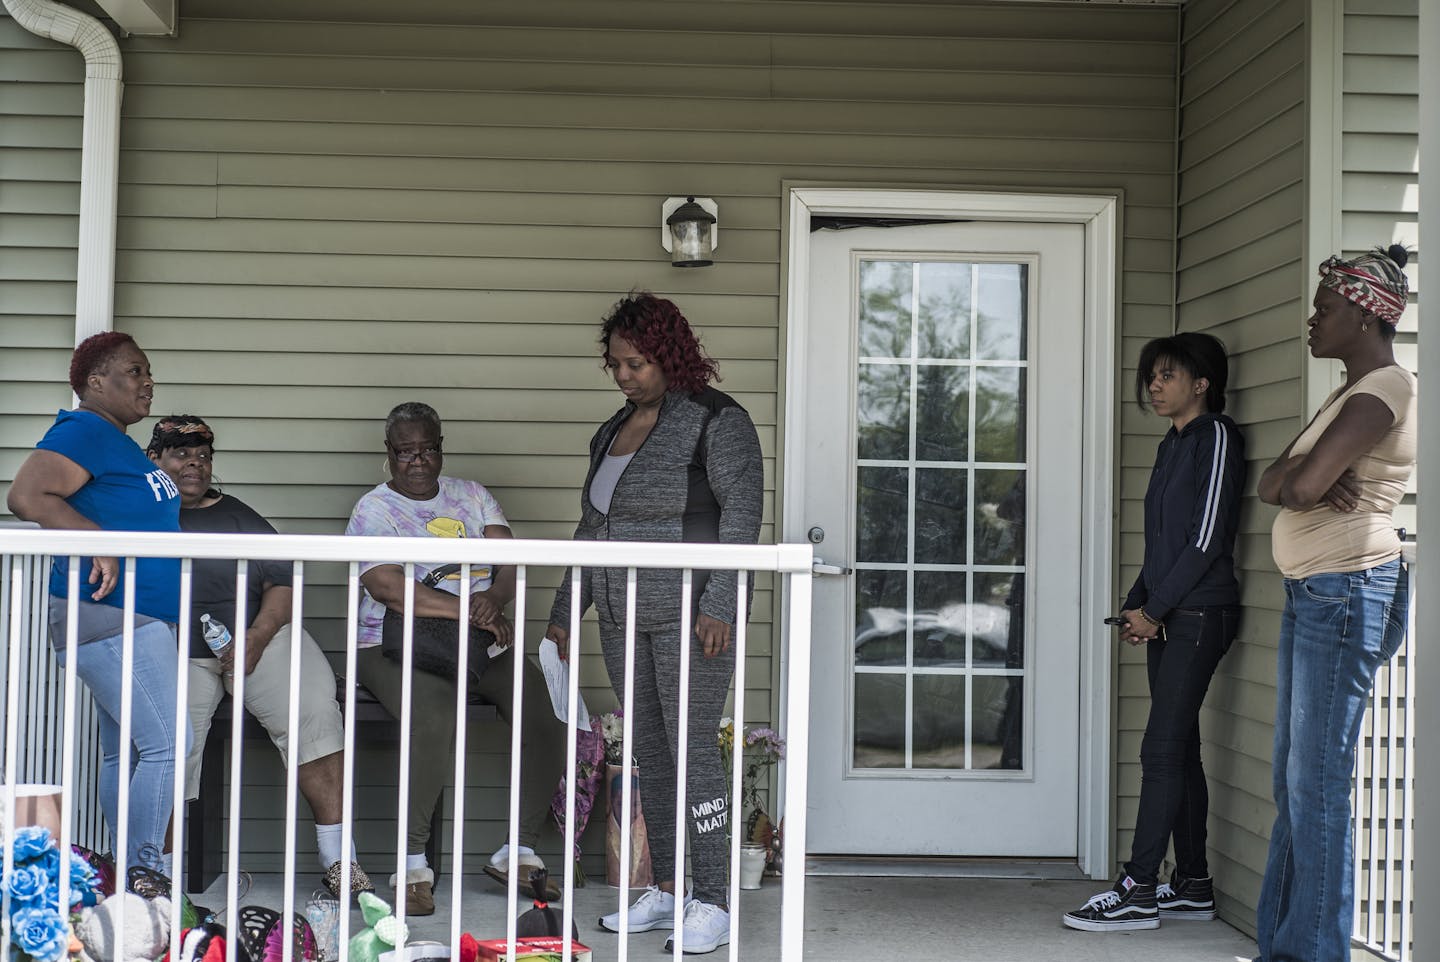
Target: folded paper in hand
557,677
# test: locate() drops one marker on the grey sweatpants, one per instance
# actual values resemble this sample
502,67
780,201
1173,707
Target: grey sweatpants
656,714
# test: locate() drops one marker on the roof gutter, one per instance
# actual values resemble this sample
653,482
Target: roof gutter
99,152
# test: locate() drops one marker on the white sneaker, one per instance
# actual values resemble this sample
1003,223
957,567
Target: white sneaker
706,928
654,909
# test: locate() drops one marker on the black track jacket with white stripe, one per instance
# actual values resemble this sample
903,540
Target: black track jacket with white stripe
1192,512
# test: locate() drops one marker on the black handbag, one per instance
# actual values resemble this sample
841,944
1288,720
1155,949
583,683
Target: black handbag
435,642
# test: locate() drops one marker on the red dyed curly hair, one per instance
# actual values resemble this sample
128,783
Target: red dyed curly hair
655,327
93,354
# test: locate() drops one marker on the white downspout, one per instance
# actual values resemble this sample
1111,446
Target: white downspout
99,153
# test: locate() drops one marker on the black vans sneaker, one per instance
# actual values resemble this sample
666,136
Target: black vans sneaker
1129,905
1187,898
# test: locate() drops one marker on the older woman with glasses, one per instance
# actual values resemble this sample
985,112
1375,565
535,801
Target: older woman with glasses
420,501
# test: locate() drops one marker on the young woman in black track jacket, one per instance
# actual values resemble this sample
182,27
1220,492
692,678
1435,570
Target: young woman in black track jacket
1185,608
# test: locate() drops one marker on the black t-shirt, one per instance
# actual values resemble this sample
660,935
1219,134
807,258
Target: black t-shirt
213,580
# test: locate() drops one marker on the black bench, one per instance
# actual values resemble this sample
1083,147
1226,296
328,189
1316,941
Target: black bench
205,826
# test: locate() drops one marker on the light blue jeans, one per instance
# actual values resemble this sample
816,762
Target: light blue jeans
1337,630
152,732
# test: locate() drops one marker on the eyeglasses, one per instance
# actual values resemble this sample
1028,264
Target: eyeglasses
408,457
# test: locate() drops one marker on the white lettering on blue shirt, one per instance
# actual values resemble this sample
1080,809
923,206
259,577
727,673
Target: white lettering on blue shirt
163,487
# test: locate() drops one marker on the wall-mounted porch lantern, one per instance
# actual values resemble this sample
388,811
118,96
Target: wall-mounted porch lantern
689,230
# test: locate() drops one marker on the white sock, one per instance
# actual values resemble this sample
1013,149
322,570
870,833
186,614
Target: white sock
502,855
327,841
167,864
413,862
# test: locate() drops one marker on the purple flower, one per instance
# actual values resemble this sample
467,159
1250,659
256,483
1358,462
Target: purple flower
31,842
28,885
40,932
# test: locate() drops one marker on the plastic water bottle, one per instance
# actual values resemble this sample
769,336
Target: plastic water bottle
217,636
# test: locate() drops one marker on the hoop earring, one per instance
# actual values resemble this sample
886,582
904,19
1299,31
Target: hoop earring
1364,328
385,468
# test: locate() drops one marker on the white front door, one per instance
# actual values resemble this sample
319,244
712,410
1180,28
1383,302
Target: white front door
942,475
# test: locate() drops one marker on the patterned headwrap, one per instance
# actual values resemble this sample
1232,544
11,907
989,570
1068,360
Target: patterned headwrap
1373,281
180,431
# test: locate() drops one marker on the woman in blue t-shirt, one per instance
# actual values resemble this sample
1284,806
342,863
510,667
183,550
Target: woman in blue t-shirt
86,474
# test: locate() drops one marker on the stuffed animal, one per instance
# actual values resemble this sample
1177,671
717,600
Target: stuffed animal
382,933
146,936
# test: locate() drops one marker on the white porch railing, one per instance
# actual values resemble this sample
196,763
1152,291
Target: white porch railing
32,745
1384,803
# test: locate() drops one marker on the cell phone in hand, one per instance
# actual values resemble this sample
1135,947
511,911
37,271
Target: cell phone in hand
1117,621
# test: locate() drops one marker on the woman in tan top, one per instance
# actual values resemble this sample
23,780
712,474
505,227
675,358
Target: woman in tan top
1346,599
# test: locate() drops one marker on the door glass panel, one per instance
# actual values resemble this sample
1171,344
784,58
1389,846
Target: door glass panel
942,413
941,459
886,289
882,409
880,727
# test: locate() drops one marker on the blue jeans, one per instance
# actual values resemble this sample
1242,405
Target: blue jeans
1337,630
152,732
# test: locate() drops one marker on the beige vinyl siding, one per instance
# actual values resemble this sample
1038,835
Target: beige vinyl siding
1380,153
1239,276
1379,204
321,217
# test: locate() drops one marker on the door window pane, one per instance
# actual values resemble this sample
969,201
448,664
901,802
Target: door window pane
996,721
941,507
939,721
880,720
942,412
999,537
944,323
1001,292
885,301
881,615
998,619
882,515
940,618
1000,414
882,409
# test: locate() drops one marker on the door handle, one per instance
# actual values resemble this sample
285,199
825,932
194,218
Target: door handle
819,567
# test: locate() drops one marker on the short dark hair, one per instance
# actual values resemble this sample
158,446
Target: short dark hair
412,412
1199,355
93,354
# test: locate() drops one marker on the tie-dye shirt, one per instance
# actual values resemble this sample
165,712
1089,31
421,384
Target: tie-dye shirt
461,509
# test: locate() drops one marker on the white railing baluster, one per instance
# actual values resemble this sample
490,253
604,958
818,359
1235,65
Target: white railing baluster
182,723
402,814
237,752
1392,786
627,794
462,704
1407,817
347,795
797,747
1373,835
292,754
682,759
571,785
737,762
12,740
67,750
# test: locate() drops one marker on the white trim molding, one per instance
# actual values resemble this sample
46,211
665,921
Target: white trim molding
1099,215
1325,28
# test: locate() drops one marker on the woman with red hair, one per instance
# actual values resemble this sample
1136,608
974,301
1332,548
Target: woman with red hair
679,462
87,474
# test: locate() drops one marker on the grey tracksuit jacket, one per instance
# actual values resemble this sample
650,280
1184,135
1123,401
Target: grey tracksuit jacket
696,478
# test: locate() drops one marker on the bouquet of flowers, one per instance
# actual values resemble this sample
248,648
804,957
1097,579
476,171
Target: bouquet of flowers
761,748
39,931
612,730
590,750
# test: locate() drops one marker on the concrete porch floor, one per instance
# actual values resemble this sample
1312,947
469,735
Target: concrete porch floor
851,918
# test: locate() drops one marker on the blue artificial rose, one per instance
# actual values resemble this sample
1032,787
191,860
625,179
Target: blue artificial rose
32,842
40,932
83,882
28,885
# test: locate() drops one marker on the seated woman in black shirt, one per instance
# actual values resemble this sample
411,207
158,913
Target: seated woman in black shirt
184,446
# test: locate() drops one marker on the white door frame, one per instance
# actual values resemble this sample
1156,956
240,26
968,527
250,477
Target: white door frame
1098,214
